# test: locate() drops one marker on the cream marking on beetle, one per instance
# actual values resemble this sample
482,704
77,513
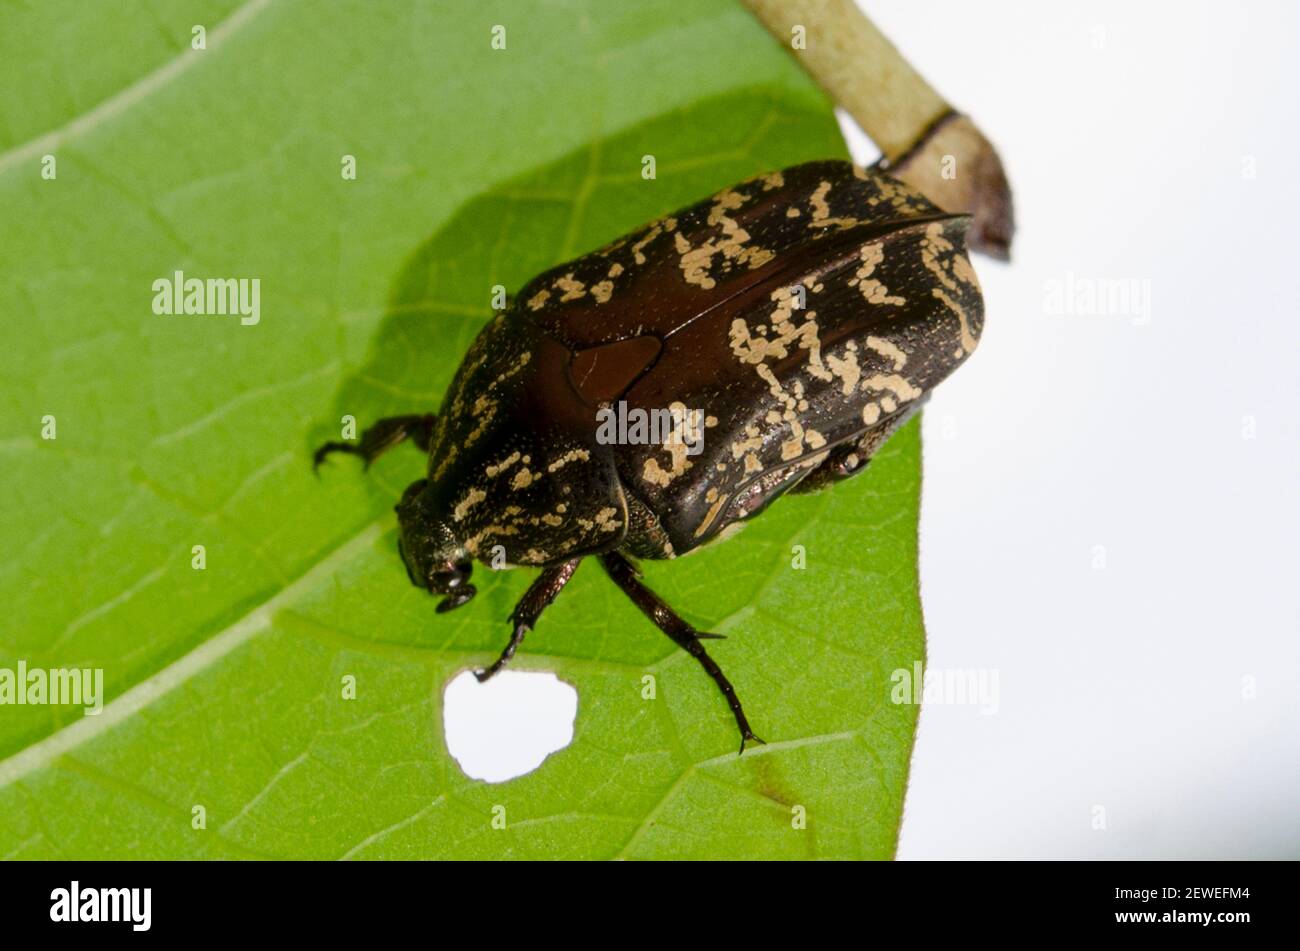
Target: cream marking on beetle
472,498
573,288
475,541
873,291
470,367
697,262
663,226
710,515
742,446
675,444
484,409
602,291
605,520
769,181
495,470
935,255
933,248
793,448
901,198
523,479
650,235
655,475
821,210
514,518
967,343
723,202
573,455
756,350
962,268
893,383
846,367
538,300
889,350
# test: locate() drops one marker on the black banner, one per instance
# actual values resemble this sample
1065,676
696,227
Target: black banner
1220,901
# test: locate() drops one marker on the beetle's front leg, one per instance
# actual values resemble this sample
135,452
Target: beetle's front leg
539,594
382,436
683,635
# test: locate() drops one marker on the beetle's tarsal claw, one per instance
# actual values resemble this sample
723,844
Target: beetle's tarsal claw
516,639
382,436
749,737
706,636
323,453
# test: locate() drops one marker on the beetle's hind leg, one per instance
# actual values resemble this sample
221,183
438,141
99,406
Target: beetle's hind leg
539,594
683,635
382,436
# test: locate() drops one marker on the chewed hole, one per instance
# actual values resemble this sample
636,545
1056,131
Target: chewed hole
506,727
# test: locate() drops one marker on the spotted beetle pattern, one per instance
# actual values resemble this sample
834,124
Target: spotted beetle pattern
805,312
796,319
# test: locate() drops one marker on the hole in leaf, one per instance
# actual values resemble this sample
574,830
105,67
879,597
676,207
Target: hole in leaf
506,727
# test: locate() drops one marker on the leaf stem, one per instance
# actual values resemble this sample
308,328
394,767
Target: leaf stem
924,142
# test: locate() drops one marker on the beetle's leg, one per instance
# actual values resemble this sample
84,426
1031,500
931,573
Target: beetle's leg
539,594
682,634
382,436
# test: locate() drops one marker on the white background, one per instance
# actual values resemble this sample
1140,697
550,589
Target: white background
1109,519
1128,131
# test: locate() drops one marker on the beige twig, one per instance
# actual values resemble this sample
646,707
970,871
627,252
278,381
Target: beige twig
923,140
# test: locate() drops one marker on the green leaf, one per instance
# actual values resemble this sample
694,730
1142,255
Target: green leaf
475,167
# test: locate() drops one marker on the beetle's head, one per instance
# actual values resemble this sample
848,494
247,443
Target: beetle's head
435,560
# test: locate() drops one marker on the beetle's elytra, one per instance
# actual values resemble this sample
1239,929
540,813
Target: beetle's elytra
800,316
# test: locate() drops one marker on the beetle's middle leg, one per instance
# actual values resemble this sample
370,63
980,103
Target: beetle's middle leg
683,635
382,436
539,594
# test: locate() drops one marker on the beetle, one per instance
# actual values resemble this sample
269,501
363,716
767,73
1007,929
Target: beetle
801,316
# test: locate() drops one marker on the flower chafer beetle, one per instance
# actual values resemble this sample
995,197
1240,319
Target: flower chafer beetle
802,315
